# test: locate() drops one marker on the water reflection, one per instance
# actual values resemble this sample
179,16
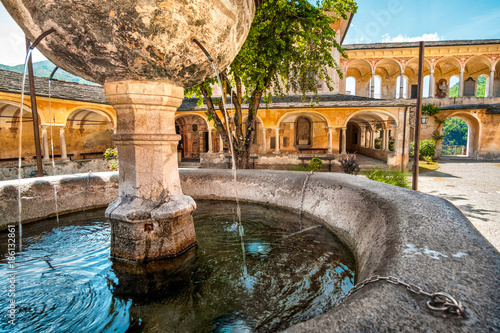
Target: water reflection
291,275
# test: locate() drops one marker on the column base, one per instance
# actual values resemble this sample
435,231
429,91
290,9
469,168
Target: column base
142,230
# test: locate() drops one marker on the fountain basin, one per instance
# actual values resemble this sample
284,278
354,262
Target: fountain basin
418,238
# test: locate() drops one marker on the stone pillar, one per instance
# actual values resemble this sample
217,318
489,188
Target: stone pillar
264,148
277,142
330,140
385,139
62,141
45,144
461,84
372,85
221,144
210,143
432,84
401,84
344,140
151,219
362,136
491,93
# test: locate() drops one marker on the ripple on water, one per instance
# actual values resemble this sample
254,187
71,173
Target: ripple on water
280,276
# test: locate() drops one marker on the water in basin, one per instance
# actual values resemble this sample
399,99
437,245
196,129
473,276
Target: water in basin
286,273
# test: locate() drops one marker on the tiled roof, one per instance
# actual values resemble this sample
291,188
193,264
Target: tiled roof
416,44
11,82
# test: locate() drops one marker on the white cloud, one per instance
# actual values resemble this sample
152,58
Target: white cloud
400,38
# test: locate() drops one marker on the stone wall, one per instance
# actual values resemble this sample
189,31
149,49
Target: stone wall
10,171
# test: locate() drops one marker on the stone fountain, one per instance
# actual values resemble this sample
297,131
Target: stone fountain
142,52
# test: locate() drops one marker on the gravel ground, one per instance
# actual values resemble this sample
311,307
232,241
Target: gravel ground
474,188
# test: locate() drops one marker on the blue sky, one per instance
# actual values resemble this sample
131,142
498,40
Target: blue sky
407,20
376,21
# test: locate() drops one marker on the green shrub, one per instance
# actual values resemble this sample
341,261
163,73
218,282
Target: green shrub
349,164
315,165
428,159
393,177
111,155
378,143
427,148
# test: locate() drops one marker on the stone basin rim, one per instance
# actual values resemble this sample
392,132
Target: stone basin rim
418,238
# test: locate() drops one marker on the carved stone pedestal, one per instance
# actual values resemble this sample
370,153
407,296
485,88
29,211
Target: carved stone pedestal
151,219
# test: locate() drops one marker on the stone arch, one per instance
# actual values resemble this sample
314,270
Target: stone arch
89,130
303,132
447,67
474,127
411,71
361,70
193,128
389,70
318,134
375,121
70,114
9,130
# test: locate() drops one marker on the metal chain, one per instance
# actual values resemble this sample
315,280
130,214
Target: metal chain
439,301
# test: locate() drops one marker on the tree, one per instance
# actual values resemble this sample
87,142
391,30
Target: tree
289,48
456,131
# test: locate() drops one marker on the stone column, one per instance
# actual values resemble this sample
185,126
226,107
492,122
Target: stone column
151,219
264,148
221,144
210,144
277,142
45,144
372,85
432,84
344,140
461,84
491,93
385,139
362,136
62,141
401,84
330,140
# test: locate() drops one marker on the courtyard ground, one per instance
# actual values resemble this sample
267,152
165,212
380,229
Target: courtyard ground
473,187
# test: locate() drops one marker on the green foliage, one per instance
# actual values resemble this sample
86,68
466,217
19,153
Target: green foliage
111,155
290,47
454,91
315,165
436,135
428,159
349,164
392,142
378,143
455,130
430,110
427,148
439,121
393,177
481,87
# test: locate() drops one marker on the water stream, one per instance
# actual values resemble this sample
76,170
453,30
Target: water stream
52,152
20,152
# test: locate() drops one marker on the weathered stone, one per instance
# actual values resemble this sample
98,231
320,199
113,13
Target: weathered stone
131,39
420,239
151,218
